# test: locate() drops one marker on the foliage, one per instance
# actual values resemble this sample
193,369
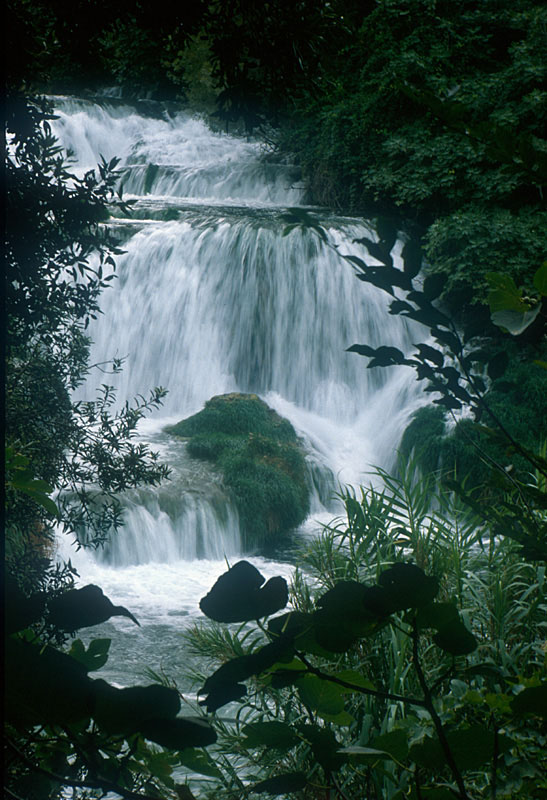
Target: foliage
66,463
260,459
69,730
402,667
59,259
517,399
435,114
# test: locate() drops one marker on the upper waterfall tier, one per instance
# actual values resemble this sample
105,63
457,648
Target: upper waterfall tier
215,294
176,156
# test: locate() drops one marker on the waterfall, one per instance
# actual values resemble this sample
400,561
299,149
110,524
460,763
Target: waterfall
213,296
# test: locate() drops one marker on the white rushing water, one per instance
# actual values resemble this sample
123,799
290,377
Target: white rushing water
212,297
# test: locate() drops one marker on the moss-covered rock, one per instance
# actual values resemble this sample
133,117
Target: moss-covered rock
260,458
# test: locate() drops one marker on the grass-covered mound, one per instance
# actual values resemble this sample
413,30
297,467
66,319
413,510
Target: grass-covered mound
260,458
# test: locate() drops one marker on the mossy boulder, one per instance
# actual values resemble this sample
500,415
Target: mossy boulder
261,460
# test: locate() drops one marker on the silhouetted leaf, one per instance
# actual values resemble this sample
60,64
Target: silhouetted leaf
322,696
324,745
412,258
430,354
532,700
358,262
408,586
199,761
222,695
387,233
82,608
126,710
279,735
237,597
95,656
498,364
361,349
386,357
434,285
343,615
20,610
446,401
395,743
46,686
437,615
474,746
540,279
456,639
399,307
281,784
179,733
224,684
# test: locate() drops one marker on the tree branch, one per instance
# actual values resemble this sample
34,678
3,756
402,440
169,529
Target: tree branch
413,701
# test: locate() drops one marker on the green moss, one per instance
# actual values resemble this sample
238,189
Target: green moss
260,458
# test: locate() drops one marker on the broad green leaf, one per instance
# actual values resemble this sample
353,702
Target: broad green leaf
395,743
94,657
504,294
352,676
324,745
343,719
358,750
322,696
270,734
474,746
515,322
428,754
237,595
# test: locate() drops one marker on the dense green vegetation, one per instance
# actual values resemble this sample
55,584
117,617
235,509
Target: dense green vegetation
415,664
410,663
260,459
517,399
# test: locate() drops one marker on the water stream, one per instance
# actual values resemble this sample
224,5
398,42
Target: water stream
213,296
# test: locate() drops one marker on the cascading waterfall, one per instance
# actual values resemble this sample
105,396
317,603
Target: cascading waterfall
213,296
